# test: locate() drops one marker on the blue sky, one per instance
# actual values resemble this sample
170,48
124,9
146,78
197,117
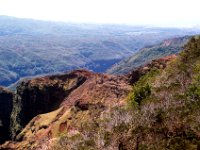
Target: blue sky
180,13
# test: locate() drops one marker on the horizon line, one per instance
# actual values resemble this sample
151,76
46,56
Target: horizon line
104,23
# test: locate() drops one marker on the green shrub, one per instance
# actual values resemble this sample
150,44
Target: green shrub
142,89
193,92
192,49
160,116
140,92
107,138
122,127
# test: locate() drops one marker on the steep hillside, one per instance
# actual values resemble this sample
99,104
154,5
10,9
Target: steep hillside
6,97
81,99
31,47
66,99
72,101
166,105
146,55
153,107
162,112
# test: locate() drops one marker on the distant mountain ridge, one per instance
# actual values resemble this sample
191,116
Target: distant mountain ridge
155,106
147,54
31,47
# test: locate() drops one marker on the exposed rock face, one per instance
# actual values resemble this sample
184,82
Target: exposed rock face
103,88
45,94
5,111
64,96
41,95
69,100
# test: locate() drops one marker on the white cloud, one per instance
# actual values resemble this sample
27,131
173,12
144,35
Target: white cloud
156,12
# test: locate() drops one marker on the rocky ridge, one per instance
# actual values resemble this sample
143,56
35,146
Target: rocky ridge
6,97
46,107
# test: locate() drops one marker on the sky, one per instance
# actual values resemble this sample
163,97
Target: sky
184,13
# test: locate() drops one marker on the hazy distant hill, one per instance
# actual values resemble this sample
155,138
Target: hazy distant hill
146,55
31,47
155,107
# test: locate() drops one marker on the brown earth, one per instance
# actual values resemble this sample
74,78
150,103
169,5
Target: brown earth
54,105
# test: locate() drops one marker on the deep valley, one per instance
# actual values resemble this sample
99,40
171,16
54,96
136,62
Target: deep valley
155,106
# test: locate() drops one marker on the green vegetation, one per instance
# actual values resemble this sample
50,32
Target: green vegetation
175,97
194,90
140,92
168,114
142,88
164,113
146,55
30,47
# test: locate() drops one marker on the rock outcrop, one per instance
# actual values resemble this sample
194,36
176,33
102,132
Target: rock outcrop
153,107
46,107
41,95
62,97
5,112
